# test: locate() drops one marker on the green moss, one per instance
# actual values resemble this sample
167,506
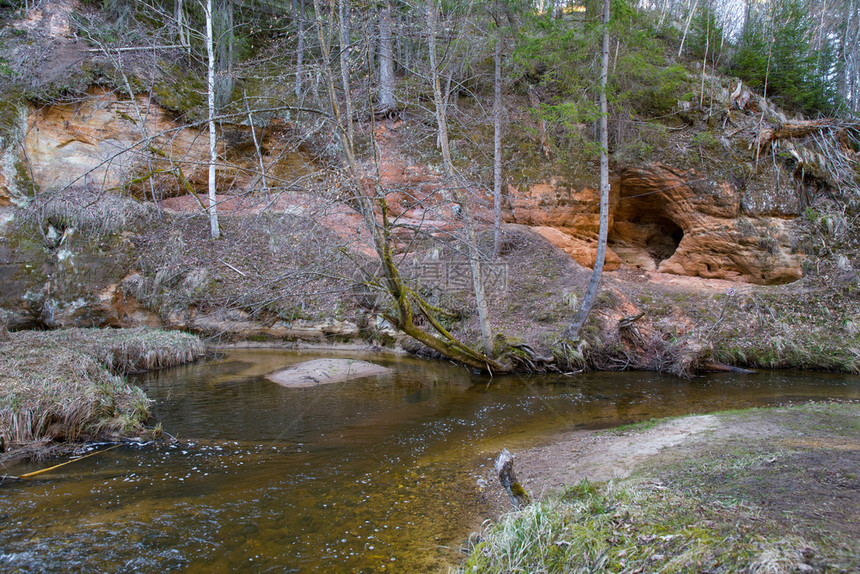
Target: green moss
23,181
11,120
707,140
181,90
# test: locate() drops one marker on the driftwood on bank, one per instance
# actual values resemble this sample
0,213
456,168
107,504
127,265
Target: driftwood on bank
505,469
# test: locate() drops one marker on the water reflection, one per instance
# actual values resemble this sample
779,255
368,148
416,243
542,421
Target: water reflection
372,475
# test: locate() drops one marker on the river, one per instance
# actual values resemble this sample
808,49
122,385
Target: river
374,475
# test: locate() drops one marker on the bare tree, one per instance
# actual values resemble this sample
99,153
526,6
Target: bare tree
368,198
572,331
687,26
452,176
300,48
182,32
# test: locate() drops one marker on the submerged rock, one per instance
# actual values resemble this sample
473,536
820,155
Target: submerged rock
325,371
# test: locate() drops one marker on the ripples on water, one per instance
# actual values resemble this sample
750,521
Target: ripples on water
373,475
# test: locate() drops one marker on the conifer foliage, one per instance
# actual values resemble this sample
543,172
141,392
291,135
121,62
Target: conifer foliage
775,50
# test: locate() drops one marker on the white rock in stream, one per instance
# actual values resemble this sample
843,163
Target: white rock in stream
325,371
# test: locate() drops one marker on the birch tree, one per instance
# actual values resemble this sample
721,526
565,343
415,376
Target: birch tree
213,137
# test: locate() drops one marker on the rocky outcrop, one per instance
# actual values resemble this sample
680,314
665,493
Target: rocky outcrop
667,221
237,324
70,281
136,144
661,220
85,283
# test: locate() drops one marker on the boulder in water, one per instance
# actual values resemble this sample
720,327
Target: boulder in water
325,371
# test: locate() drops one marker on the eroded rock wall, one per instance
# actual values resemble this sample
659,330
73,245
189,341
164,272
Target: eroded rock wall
112,143
668,221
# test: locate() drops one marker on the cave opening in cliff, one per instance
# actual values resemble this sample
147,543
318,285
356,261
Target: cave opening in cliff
662,245
644,234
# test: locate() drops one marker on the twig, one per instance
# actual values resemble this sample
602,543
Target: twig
44,470
233,268
135,48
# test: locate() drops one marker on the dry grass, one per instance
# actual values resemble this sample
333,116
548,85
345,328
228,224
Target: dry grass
68,385
123,351
88,210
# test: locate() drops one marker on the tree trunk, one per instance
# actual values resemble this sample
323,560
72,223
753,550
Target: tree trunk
300,49
705,60
438,100
504,466
344,68
256,146
182,33
534,101
385,98
687,26
497,147
213,141
572,332
465,210
224,40
663,14
398,40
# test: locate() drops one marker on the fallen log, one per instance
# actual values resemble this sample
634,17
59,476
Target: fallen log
800,128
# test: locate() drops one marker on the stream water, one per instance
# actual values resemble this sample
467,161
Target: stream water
374,475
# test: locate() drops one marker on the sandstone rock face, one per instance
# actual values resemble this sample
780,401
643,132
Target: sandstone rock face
667,221
12,189
110,143
582,250
661,220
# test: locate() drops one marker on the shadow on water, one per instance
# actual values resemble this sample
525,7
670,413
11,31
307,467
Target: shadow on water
372,475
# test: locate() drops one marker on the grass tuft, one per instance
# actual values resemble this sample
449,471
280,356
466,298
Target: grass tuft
69,386
607,528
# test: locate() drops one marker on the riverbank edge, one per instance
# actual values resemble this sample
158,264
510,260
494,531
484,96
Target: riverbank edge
735,491
65,387
299,345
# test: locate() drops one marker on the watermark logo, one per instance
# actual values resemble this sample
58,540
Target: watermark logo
456,276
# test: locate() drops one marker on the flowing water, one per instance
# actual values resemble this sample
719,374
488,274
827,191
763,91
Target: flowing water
373,475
